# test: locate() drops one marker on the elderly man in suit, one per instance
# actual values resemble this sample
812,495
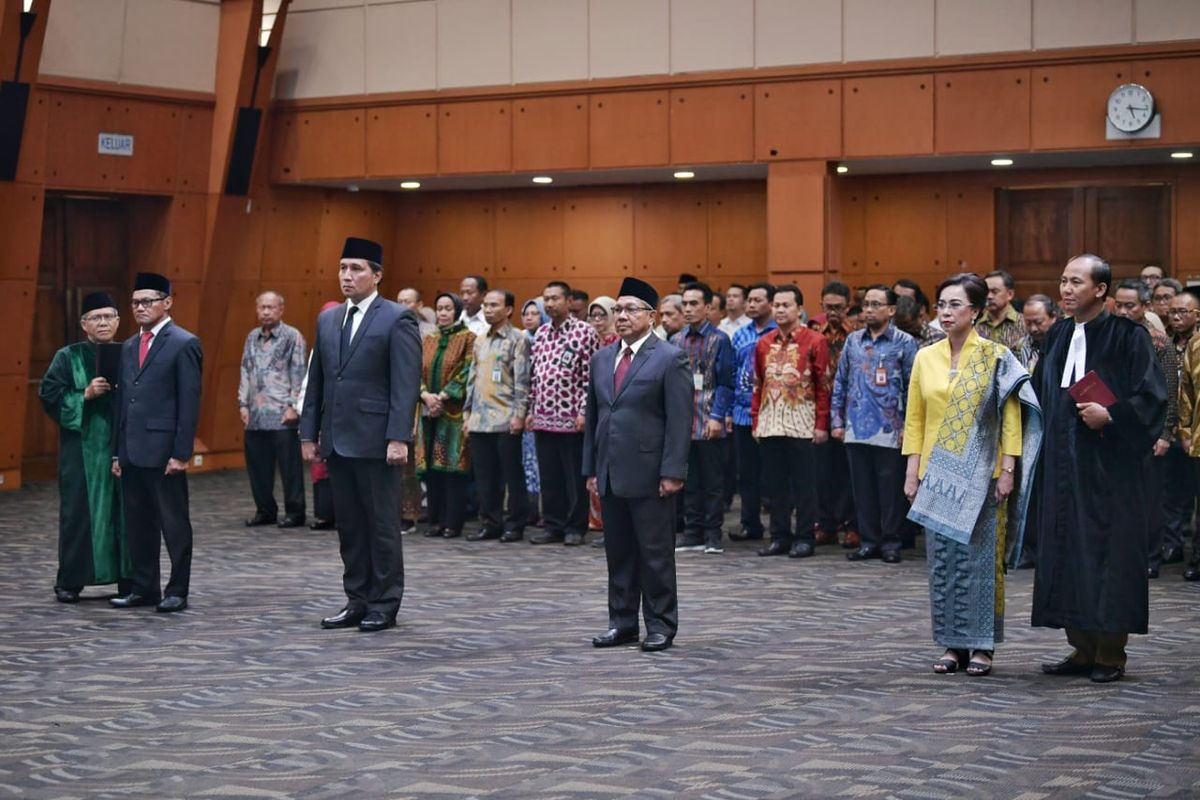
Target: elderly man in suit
157,404
359,410
635,455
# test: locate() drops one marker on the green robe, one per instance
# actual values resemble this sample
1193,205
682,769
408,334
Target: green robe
91,535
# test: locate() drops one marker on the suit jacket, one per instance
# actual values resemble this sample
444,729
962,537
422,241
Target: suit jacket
641,434
360,403
157,405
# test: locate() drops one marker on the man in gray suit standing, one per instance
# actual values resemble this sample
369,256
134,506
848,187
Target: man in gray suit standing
635,455
359,410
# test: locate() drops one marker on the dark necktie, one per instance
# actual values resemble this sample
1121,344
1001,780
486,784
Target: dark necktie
347,328
622,368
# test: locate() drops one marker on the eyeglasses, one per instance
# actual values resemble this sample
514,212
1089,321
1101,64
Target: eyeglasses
953,305
145,302
874,306
1179,312
101,317
629,310
598,315
1163,298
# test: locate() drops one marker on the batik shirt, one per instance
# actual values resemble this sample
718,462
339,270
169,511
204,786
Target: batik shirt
870,388
1170,361
1010,332
792,379
744,342
273,369
498,385
559,374
836,335
710,359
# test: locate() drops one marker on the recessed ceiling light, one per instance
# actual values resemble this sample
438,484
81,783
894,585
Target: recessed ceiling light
353,187
842,169
1002,162
543,179
1182,154
684,174
410,185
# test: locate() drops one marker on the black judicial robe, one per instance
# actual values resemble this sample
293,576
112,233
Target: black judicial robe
1091,519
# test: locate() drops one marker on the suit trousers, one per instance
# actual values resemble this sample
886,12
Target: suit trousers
447,497
704,491
366,502
834,501
1092,647
1170,476
564,489
157,505
323,500
877,475
790,468
496,458
639,543
265,450
750,480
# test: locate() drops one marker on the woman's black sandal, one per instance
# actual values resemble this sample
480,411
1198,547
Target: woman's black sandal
977,669
948,665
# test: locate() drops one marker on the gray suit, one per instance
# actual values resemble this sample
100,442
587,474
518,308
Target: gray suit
635,437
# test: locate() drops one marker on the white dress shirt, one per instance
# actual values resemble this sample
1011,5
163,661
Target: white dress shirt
633,347
1075,367
362,305
155,330
475,324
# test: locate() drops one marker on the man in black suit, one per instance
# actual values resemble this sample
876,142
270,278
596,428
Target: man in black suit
157,404
359,410
635,455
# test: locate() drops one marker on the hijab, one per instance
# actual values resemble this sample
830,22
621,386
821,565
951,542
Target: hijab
541,307
458,308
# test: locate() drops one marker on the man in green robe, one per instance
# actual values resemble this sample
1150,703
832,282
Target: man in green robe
91,538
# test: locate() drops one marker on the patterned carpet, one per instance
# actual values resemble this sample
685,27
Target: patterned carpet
789,679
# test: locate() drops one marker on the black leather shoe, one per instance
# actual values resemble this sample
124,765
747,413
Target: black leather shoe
1152,572
615,637
261,519
433,532
1172,555
744,535
131,600
292,521
512,536
546,537
801,550
451,533
1068,666
892,557
863,554
346,618
1103,674
66,595
321,525
573,539
376,621
655,642
483,535
1192,573
775,548
172,603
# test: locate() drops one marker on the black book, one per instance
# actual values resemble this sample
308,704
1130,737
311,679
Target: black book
108,362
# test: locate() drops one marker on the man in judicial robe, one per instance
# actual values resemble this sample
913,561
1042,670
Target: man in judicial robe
359,408
635,456
1092,519
91,535
157,407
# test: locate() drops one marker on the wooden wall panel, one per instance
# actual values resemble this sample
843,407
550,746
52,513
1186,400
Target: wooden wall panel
737,232
186,236
12,396
797,211
550,133
364,214
31,166
402,141
293,229
464,233
155,128
1131,227
529,237
984,111
1187,224
669,232
629,129
413,225
1069,102
285,145
227,428
906,228
888,115
195,145
186,305
970,228
598,234
475,137
16,304
800,119
1175,83
317,145
71,158
852,216
20,225
712,125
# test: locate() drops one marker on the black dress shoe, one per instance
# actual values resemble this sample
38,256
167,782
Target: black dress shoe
775,548
546,537
261,519
171,603
348,617
321,525
451,533
512,536
292,521
131,600
863,554
573,539
801,550
891,557
483,535
655,642
66,595
433,532
614,637
1068,666
1152,572
1172,555
376,621
1103,674
1192,573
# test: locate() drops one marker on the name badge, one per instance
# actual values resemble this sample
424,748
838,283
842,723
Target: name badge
495,374
698,381
567,358
881,376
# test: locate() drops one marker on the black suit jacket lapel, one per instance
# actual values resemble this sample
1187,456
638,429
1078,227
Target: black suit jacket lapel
156,344
368,316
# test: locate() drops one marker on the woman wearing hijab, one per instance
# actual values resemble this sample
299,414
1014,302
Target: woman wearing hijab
533,316
604,321
442,456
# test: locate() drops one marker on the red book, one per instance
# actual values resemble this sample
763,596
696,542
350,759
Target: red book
1090,389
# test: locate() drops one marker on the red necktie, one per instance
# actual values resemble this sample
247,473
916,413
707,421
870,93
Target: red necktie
622,368
144,347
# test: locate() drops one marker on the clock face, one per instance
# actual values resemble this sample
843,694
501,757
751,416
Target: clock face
1130,107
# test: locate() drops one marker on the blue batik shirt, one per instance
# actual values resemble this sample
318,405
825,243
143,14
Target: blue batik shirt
870,388
710,357
745,339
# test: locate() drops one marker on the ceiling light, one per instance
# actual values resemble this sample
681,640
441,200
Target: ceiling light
353,187
28,6
543,179
1182,154
264,34
1002,162
684,175
842,169
410,185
